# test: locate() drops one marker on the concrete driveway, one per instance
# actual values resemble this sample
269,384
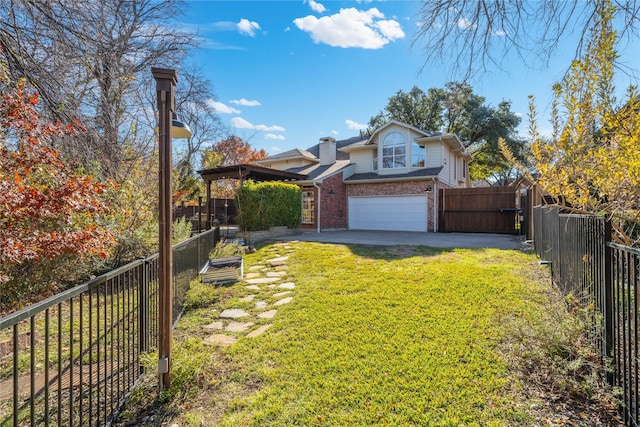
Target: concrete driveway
438,240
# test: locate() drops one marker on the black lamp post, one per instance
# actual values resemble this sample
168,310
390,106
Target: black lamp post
165,82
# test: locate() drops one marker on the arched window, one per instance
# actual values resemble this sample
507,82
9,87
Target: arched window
394,151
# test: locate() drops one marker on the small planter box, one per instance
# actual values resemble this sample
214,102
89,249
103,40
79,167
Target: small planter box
223,270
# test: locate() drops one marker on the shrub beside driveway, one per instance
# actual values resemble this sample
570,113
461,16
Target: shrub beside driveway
391,336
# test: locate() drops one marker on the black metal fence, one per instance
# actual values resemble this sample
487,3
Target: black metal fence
602,276
72,358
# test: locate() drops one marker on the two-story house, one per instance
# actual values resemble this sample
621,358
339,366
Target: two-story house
385,181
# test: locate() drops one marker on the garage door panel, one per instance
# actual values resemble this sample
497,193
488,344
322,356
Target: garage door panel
399,213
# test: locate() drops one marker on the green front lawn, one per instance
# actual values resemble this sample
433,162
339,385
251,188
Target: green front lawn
373,336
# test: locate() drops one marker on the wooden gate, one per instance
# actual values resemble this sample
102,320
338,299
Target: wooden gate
479,210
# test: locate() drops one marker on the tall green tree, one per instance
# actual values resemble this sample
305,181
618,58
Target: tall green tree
457,109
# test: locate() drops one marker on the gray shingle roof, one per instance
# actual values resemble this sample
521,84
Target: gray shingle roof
420,173
317,172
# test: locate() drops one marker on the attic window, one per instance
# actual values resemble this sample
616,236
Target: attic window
394,150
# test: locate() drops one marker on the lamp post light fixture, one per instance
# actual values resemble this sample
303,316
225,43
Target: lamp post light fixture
166,80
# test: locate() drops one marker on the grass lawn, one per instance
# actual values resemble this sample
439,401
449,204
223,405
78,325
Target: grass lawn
404,336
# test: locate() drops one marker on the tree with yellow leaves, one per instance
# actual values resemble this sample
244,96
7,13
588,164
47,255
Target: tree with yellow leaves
591,163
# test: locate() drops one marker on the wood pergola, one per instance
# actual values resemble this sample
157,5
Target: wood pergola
243,172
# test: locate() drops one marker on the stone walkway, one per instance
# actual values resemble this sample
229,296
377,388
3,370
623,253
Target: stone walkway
267,289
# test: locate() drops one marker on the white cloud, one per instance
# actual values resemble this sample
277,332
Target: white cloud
274,136
245,102
500,33
221,108
317,7
335,132
465,24
248,27
276,149
355,125
352,28
240,123
265,128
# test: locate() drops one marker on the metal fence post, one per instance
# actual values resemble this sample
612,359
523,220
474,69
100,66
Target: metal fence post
608,296
143,304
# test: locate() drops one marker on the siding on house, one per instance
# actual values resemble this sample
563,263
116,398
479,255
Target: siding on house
363,160
433,154
287,164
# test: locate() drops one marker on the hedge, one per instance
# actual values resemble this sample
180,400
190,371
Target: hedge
268,204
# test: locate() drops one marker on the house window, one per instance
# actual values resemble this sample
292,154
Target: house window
375,161
308,207
394,151
417,156
464,168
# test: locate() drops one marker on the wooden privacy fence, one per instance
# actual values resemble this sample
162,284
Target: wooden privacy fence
479,210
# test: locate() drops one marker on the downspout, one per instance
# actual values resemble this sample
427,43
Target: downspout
435,205
315,184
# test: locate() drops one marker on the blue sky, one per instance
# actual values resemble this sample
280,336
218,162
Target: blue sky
286,73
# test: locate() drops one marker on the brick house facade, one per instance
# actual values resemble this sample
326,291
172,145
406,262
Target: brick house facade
387,180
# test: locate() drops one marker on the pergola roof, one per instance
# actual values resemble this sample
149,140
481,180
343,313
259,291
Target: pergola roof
248,171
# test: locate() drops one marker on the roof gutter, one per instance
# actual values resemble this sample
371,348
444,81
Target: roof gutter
380,180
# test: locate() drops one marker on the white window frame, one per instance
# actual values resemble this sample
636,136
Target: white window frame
418,152
398,151
308,207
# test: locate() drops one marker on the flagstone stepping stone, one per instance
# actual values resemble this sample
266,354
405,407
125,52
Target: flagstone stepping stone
261,330
272,286
263,280
220,339
251,275
287,285
248,298
283,301
215,325
253,287
276,274
267,314
233,313
281,294
282,267
278,261
238,326
256,267
261,304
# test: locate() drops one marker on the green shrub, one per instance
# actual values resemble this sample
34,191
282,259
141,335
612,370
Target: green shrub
268,204
225,249
200,295
181,230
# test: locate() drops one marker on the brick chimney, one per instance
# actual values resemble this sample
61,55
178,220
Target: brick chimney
327,151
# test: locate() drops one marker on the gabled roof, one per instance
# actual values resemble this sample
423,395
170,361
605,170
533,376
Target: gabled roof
313,153
427,133
315,150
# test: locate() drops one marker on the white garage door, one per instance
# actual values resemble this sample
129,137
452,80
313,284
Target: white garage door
397,213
